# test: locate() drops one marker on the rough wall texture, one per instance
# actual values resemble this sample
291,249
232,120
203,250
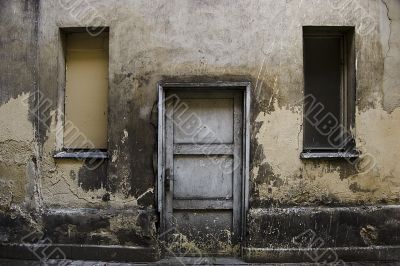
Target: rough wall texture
257,41
281,178
18,149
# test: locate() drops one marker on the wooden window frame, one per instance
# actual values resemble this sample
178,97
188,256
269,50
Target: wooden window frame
347,90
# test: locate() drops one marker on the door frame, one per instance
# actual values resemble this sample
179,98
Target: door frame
245,88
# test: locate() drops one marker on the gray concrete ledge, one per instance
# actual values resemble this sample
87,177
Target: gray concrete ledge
323,256
388,254
218,261
78,252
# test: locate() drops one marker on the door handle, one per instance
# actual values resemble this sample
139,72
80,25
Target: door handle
168,180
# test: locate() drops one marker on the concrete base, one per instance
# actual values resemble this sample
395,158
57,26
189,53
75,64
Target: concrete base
78,252
320,234
218,261
250,255
323,255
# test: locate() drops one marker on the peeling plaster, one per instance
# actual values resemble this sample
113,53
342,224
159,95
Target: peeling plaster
278,137
14,123
390,38
217,41
16,149
378,131
305,182
125,137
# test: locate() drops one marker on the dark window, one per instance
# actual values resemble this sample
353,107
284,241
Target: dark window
329,89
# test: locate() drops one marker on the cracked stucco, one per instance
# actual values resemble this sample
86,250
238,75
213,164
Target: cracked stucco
16,150
390,29
257,41
292,181
269,56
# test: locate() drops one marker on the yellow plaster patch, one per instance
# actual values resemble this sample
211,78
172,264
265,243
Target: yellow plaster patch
377,135
278,137
14,120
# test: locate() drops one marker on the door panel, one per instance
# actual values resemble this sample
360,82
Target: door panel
202,177
212,233
204,121
203,173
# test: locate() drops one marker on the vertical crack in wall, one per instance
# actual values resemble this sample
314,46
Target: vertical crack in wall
389,37
390,27
37,185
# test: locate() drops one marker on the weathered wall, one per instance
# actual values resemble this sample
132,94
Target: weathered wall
281,178
257,41
151,42
18,150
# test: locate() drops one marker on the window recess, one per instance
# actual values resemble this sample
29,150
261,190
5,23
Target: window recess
83,95
329,92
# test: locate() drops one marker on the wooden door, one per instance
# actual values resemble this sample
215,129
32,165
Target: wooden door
203,172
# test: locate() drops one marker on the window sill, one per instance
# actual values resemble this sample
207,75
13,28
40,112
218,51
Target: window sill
329,155
94,154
